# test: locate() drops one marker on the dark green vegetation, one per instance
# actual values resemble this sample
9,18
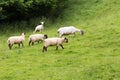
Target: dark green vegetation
11,10
94,56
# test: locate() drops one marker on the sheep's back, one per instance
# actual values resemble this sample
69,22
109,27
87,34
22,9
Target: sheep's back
66,30
53,41
15,39
39,27
50,41
36,37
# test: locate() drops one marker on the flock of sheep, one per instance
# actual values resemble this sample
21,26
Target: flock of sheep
56,41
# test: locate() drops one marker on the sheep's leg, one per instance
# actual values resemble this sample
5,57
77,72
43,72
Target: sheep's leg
62,46
22,44
37,30
38,41
29,43
44,49
56,47
10,46
19,45
32,43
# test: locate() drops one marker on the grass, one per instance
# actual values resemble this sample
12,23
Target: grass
94,56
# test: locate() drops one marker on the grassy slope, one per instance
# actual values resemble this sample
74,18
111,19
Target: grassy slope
94,56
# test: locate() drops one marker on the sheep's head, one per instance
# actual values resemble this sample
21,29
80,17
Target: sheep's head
66,40
42,23
81,32
45,36
23,34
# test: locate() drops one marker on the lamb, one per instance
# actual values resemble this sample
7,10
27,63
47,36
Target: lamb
54,42
36,38
39,27
69,30
16,40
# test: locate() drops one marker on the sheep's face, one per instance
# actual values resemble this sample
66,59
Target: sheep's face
81,32
23,34
42,23
66,40
45,36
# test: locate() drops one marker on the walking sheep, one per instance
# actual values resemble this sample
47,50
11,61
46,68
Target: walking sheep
39,27
69,30
36,38
54,42
16,40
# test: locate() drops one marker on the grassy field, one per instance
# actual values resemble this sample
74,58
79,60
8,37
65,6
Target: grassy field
94,56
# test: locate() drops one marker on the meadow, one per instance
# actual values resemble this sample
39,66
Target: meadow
94,56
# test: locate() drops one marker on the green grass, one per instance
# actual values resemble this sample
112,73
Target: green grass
94,56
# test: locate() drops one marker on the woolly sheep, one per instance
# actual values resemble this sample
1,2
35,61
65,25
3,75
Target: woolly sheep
16,40
36,38
54,42
69,30
39,27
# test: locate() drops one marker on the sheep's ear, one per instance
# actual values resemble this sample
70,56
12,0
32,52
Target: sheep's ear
24,33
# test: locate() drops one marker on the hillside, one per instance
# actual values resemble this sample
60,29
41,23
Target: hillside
94,56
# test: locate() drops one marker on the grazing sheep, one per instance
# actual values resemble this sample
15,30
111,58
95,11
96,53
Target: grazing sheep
54,42
36,38
69,30
16,40
39,27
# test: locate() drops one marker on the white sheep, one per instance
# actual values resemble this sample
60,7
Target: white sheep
36,38
69,30
54,42
16,40
39,27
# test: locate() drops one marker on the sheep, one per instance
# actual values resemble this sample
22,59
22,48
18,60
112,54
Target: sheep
39,27
54,42
36,38
16,40
69,30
